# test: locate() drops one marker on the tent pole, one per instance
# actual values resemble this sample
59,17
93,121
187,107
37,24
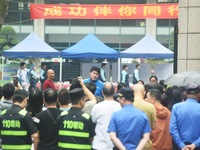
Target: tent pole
119,61
2,70
60,69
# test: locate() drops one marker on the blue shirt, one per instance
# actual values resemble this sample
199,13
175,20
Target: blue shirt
129,124
185,123
99,86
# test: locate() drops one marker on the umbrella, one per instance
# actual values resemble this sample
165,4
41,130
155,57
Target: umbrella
182,79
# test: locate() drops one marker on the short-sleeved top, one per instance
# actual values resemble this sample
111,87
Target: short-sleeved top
48,84
99,86
148,108
101,114
20,122
47,128
75,128
129,124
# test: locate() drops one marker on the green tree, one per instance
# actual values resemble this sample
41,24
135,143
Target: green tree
7,38
3,11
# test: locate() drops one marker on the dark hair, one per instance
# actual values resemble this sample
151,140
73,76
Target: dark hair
124,66
175,96
50,96
75,84
137,65
35,102
108,90
95,69
43,65
91,86
164,100
158,87
22,92
1,92
22,64
75,98
155,93
162,82
153,77
141,81
63,97
103,64
119,86
18,98
147,87
8,90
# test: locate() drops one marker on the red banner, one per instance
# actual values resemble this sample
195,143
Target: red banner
104,11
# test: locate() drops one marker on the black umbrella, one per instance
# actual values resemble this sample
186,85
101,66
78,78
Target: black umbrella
182,79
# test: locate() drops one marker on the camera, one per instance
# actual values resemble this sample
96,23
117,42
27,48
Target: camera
15,81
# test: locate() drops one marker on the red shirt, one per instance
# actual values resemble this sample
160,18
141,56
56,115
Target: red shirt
48,84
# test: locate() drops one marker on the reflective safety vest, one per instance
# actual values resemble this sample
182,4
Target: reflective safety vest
13,133
73,132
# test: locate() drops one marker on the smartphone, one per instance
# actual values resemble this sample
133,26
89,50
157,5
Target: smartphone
15,81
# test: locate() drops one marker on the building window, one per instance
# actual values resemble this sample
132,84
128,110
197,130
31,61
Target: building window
101,22
167,1
18,17
57,22
59,46
82,22
166,22
133,23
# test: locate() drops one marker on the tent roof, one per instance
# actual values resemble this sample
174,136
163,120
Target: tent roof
90,47
147,47
31,46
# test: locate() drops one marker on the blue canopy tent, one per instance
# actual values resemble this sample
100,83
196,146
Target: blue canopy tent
147,47
32,47
90,47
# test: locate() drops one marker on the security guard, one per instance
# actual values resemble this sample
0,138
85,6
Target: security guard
17,127
75,128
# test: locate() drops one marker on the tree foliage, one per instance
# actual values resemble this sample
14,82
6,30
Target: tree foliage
3,11
7,38
7,30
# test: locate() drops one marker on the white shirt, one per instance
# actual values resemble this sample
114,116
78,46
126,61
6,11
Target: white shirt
23,76
136,72
101,114
102,74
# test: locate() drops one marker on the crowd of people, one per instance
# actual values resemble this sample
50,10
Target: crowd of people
92,114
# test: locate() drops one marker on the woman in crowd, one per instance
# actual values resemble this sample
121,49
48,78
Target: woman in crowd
35,102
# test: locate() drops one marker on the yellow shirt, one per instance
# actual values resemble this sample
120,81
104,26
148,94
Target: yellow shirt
146,107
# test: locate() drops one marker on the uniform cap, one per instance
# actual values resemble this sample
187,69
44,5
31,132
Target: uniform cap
127,93
76,93
192,88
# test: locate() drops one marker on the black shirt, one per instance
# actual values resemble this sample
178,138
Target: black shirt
75,128
16,120
47,128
